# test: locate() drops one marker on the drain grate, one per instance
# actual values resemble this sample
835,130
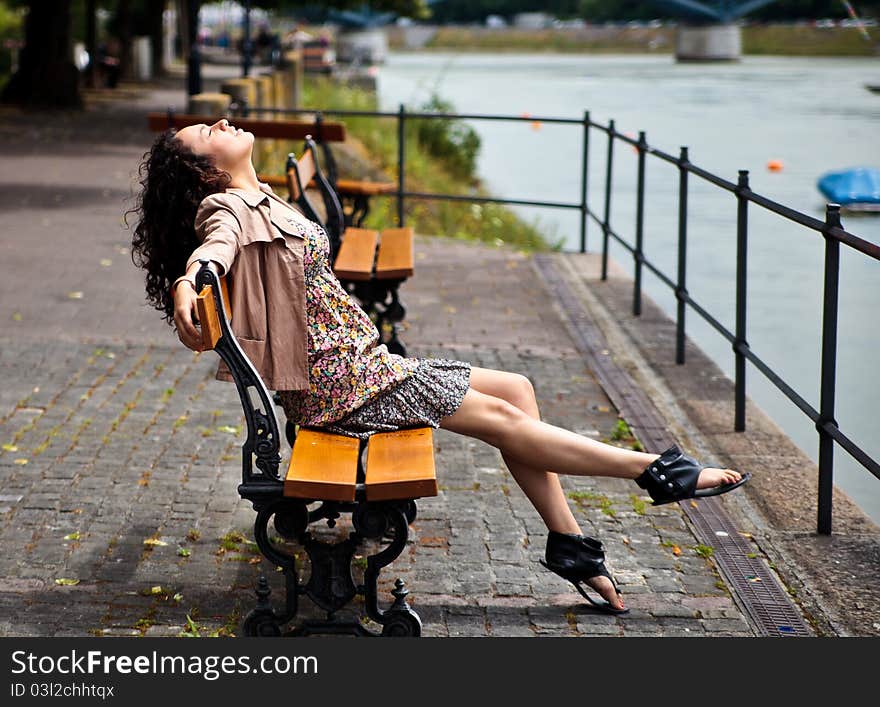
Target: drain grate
754,586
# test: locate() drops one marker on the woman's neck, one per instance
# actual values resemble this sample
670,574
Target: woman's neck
244,178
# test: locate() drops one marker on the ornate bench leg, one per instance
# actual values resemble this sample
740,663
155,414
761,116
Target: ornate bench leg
373,521
290,520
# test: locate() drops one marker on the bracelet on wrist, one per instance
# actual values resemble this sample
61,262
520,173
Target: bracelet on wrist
178,281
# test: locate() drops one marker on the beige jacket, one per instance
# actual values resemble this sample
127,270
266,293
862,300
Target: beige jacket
255,241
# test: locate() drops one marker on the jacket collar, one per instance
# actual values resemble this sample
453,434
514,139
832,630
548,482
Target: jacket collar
252,198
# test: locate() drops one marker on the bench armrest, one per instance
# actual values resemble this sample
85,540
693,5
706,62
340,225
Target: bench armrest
262,443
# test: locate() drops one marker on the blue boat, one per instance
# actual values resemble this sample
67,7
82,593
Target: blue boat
857,189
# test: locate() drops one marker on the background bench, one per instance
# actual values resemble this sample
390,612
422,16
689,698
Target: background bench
330,469
371,265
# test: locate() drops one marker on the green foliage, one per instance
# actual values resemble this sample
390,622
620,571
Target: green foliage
451,141
11,27
490,223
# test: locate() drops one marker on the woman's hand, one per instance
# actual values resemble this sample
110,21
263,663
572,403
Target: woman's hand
186,315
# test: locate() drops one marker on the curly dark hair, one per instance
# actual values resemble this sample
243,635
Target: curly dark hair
173,180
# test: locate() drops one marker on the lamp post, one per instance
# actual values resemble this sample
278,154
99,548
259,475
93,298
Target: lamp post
246,46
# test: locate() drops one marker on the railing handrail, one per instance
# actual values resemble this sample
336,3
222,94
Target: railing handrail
840,234
830,229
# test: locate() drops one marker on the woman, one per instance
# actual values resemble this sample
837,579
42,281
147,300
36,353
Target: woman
308,339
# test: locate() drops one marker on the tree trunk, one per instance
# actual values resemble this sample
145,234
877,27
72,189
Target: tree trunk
156,11
91,42
123,15
46,75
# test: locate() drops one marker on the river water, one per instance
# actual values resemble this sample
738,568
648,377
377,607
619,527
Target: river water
813,115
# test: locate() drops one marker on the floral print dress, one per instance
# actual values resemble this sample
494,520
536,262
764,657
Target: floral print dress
357,387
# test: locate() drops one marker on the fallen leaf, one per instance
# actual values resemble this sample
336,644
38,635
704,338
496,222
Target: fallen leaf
676,550
9,447
694,504
72,536
65,582
177,597
449,309
153,542
16,317
184,552
106,262
254,561
74,295
228,429
20,462
156,590
746,535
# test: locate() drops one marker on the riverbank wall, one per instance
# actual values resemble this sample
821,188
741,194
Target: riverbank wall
781,40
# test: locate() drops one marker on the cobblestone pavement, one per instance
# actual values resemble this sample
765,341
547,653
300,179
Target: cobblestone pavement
118,506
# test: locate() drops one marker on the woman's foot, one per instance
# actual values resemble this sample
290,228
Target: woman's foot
710,477
675,476
581,559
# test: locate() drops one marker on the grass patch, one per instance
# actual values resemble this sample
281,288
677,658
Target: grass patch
231,541
639,504
593,500
704,551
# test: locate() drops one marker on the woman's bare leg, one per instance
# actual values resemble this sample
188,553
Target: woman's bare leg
542,487
510,421
536,444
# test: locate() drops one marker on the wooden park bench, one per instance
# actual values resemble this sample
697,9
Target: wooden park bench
355,194
370,265
378,488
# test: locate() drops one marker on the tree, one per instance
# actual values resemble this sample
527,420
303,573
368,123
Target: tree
46,73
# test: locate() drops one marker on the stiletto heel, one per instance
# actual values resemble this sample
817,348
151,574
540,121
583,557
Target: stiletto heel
577,559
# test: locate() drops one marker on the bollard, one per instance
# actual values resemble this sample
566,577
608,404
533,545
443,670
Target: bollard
279,88
265,95
241,90
209,104
293,63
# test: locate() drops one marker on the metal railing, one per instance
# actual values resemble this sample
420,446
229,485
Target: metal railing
831,230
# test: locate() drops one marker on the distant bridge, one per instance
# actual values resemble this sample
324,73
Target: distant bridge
722,12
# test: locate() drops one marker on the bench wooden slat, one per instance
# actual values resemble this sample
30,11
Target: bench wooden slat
348,187
356,254
322,466
401,465
274,129
395,259
306,168
357,186
209,321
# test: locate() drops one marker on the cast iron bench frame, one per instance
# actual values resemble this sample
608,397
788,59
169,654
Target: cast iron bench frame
381,507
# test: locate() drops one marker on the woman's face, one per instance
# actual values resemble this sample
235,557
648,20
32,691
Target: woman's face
230,147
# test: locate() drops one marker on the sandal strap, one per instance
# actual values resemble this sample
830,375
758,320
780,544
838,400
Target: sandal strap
575,554
673,476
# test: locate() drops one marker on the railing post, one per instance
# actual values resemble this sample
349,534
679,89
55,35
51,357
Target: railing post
739,344
401,162
584,174
829,368
638,255
606,222
681,288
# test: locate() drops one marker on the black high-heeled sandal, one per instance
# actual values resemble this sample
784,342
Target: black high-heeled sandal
673,477
578,558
